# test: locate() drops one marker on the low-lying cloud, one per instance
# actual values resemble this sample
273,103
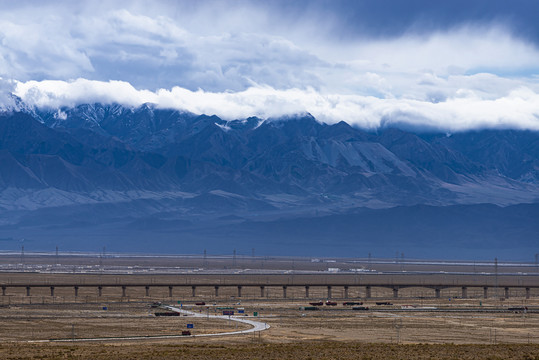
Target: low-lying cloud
463,110
220,47
239,59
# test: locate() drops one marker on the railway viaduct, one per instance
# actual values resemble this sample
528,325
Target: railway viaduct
307,286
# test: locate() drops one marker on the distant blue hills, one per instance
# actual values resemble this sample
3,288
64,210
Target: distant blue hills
156,180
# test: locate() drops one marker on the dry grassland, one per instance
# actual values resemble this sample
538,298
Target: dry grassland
471,328
239,351
288,323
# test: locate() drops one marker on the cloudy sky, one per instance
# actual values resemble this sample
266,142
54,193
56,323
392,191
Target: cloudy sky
451,65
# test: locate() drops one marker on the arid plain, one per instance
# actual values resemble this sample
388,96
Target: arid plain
416,324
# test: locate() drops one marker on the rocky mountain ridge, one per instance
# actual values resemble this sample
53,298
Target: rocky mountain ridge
169,169
106,147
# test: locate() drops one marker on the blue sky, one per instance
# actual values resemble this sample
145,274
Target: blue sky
452,65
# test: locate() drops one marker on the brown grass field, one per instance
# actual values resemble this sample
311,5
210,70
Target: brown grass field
448,327
323,350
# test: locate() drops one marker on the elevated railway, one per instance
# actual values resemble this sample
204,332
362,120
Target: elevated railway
329,283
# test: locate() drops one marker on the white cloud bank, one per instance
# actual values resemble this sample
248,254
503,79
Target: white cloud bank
250,61
219,48
464,110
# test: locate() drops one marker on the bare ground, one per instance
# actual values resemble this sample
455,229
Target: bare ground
472,328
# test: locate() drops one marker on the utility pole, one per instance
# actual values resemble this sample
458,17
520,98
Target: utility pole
496,276
102,258
398,326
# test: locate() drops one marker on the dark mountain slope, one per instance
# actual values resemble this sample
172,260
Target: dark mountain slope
512,153
293,155
481,231
46,158
296,181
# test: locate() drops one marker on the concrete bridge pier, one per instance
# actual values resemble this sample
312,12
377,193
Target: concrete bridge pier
346,294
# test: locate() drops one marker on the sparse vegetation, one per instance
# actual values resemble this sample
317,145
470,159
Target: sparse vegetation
302,350
429,328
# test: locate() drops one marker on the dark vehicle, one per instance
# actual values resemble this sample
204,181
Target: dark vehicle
309,308
316,303
518,309
167,314
360,308
352,303
383,303
200,303
156,304
186,333
331,303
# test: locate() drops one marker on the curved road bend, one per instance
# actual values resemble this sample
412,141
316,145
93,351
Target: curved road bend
256,326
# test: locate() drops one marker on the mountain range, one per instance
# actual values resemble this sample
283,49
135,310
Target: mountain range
161,180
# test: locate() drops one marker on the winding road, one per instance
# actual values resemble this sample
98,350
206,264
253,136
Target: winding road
256,326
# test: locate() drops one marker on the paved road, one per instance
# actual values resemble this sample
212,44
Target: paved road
256,325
